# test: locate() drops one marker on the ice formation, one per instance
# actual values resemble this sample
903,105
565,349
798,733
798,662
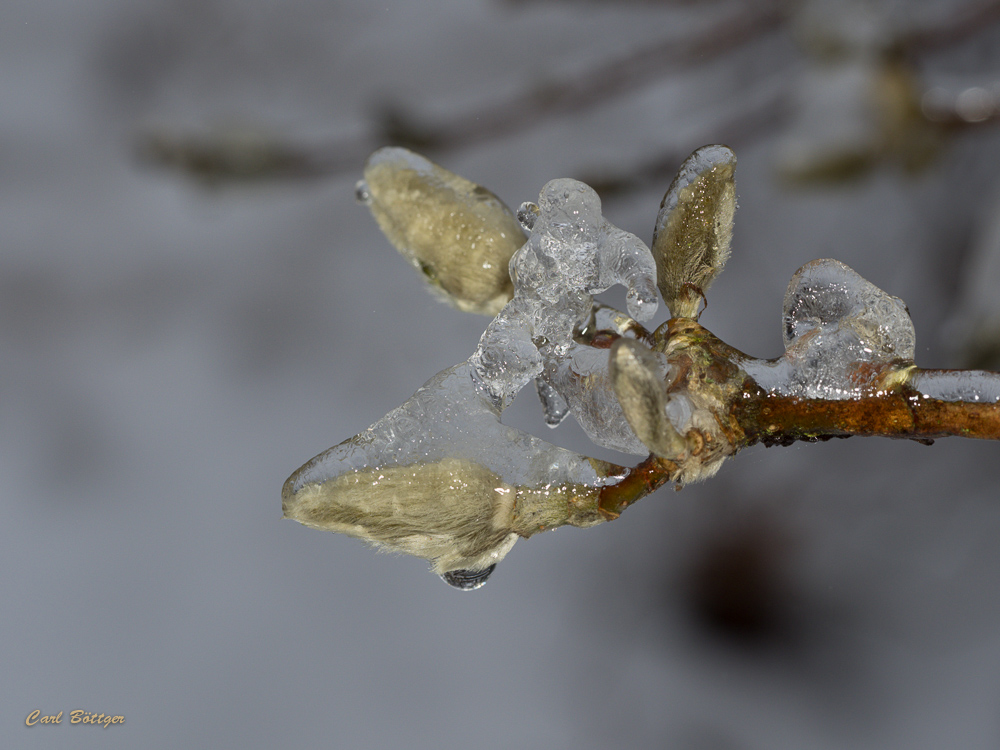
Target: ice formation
555,408
572,253
583,379
957,385
442,478
840,333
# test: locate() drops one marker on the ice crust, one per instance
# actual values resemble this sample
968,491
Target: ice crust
583,379
958,385
449,417
838,330
572,253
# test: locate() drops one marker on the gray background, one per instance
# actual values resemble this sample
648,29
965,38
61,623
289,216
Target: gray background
170,353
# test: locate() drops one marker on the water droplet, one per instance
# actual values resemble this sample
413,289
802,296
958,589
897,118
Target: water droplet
467,580
527,214
975,104
362,194
937,104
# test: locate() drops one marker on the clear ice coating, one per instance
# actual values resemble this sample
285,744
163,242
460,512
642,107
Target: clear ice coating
580,382
572,253
957,385
839,331
448,417
440,477
583,379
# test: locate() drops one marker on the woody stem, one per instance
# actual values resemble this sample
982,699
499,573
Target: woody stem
920,409
642,480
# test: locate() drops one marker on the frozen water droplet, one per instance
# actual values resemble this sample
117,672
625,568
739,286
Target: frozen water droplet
468,580
526,215
641,302
361,193
840,333
554,405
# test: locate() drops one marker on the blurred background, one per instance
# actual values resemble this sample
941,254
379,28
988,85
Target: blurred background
192,305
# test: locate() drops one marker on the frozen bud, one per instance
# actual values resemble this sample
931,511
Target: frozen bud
441,478
694,228
454,513
638,383
458,234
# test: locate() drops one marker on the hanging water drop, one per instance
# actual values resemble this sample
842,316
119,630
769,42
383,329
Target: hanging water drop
362,194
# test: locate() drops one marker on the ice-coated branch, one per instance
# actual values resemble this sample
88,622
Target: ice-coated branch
441,477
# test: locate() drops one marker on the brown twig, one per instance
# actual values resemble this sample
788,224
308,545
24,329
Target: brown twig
644,479
900,413
752,415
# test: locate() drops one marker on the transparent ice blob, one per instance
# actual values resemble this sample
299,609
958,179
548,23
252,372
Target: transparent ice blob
572,253
840,332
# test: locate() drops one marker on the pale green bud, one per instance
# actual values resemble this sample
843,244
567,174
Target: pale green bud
455,513
458,234
694,228
638,383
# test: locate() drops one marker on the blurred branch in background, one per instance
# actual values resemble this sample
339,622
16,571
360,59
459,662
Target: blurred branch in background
858,101
603,83
220,156
224,156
